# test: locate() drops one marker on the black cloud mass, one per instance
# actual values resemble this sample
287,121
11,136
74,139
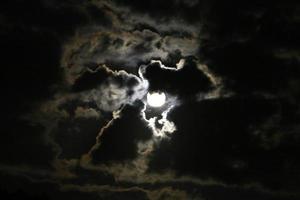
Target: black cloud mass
77,121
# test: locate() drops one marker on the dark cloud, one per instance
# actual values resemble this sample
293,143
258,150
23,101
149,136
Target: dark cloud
90,80
32,40
239,44
119,143
98,15
74,81
214,139
124,48
260,73
75,137
167,10
184,82
173,58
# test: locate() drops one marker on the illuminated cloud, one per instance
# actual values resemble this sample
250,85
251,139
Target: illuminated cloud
118,89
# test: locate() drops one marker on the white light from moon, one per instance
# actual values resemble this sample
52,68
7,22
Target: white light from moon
156,99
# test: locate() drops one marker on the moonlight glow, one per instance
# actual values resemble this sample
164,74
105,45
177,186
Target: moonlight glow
156,99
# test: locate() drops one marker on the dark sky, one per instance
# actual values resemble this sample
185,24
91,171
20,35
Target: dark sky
76,123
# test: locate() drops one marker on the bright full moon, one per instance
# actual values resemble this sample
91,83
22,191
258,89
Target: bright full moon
156,99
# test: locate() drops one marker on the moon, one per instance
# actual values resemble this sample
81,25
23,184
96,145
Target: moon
156,99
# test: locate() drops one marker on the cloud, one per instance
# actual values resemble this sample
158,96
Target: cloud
33,40
81,112
134,39
75,137
137,192
187,11
116,143
118,88
123,48
157,119
184,82
74,118
210,142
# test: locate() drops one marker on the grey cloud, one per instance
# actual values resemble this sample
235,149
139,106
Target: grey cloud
82,112
118,89
132,40
74,119
127,49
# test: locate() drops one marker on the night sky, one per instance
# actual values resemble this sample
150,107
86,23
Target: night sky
150,99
